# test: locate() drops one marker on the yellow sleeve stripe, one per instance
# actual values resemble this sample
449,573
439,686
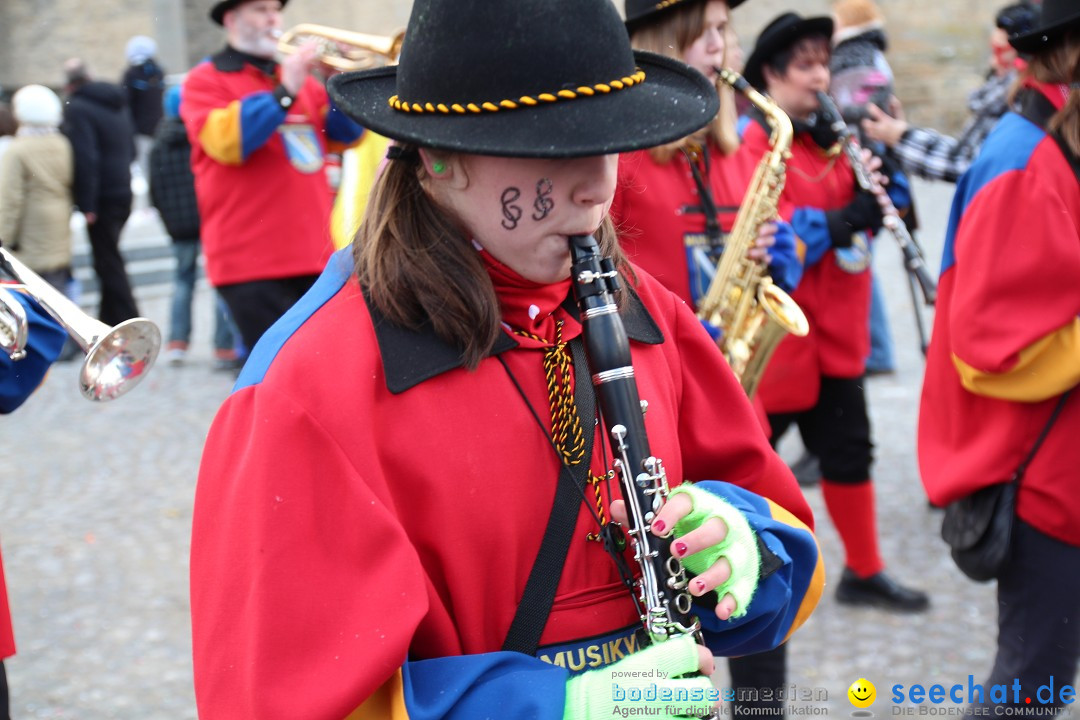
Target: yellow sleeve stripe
800,250
386,703
1046,368
221,136
816,586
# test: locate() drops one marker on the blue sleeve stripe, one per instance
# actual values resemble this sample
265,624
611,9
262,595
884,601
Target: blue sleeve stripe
333,278
1007,148
260,116
341,128
811,227
741,125
785,598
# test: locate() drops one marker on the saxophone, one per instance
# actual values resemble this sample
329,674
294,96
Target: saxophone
663,600
742,300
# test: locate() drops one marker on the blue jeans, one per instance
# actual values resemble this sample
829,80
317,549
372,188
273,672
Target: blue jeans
187,266
881,342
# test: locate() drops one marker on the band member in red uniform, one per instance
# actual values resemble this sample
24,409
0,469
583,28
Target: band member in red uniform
370,515
260,134
674,203
1005,357
816,381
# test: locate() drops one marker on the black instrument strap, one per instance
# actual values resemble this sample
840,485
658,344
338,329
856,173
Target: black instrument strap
713,233
1019,474
539,594
1035,106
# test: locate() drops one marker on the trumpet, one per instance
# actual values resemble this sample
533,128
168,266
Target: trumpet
117,358
343,49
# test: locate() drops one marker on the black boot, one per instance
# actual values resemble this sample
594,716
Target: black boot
880,591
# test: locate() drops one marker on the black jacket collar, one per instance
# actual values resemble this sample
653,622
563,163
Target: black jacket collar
232,60
410,357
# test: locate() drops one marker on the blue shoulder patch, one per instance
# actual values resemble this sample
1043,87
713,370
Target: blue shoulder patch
1007,148
333,278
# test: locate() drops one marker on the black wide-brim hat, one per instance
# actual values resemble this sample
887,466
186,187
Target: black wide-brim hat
780,34
638,12
529,78
1057,16
217,13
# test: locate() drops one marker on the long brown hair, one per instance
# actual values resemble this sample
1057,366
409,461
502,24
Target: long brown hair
419,268
1061,64
670,34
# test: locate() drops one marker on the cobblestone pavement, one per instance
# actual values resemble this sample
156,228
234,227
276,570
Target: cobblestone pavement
95,509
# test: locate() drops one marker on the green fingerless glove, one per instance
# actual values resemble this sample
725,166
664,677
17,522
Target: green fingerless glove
739,546
649,678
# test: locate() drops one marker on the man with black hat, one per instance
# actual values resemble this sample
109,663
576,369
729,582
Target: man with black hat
260,131
369,531
999,414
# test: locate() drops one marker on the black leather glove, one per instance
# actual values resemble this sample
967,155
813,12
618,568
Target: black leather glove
823,134
862,213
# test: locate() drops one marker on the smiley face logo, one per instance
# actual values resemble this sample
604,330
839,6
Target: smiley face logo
862,693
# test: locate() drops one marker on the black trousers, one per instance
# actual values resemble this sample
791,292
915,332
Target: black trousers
1038,621
753,673
258,304
5,706
117,301
836,430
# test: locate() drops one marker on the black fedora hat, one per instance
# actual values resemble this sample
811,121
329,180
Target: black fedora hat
780,34
637,11
1057,17
529,78
217,13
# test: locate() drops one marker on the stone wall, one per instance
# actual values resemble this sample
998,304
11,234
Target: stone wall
938,47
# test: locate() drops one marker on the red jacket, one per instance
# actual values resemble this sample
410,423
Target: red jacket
412,493
834,292
1006,318
658,212
263,194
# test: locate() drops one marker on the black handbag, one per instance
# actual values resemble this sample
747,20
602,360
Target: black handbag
978,528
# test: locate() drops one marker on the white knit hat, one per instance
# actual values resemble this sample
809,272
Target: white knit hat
37,105
140,49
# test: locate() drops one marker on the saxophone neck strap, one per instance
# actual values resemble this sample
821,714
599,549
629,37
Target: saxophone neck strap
713,232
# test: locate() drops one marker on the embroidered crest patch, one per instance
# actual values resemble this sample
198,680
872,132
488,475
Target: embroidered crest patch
302,147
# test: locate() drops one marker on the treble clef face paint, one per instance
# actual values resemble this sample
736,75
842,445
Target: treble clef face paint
543,203
511,213
522,210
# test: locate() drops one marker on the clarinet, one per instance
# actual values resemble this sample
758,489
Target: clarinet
663,599
913,256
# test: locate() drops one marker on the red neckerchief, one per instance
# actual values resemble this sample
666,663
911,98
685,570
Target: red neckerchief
530,310
1056,93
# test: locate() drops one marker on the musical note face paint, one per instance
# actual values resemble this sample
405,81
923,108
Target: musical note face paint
543,202
522,210
511,213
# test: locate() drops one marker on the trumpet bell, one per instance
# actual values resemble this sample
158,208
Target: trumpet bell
117,357
119,360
